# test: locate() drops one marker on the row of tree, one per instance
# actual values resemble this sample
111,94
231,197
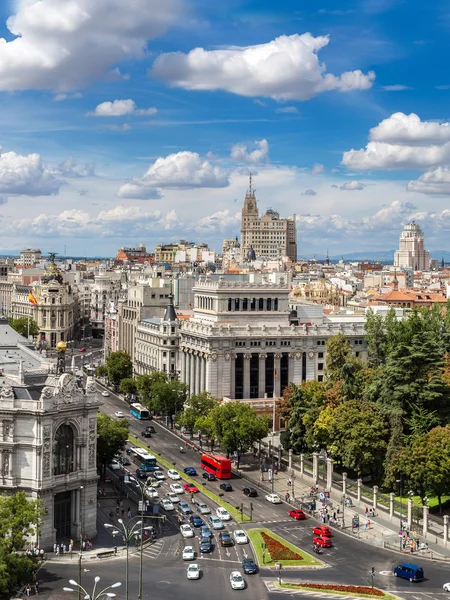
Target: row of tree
382,417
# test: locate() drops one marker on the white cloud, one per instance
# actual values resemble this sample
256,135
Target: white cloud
124,127
285,68
317,169
61,97
397,87
432,182
240,153
409,130
350,186
3,200
26,175
69,168
138,190
183,170
119,108
309,192
219,221
287,110
65,45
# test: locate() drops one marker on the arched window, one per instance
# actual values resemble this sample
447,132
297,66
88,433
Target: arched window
63,451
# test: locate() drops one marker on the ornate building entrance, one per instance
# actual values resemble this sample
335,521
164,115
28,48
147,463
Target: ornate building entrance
63,515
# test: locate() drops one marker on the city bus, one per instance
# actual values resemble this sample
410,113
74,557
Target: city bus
139,411
147,461
218,465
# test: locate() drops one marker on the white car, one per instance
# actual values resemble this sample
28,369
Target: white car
237,581
186,531
215,522
166,504
105,394
173,498
173,474
446,587
188,553
203,509
159,475
119,414
223,514
176,488
273,498
240,537
151,493
193,572
114,465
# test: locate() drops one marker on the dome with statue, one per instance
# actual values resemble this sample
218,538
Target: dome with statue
52,273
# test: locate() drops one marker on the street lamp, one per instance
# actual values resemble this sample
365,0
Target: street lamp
400,481
94,596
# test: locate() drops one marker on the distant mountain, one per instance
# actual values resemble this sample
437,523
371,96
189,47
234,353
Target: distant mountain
383,256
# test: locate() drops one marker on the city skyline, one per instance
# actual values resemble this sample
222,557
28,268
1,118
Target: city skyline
146,135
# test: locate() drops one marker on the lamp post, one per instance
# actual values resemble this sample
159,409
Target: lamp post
344,498
80,556
400,481
94,596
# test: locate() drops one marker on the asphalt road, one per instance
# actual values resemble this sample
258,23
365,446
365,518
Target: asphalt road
348,561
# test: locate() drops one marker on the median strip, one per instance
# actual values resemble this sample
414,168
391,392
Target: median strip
271,549
357,591
236,514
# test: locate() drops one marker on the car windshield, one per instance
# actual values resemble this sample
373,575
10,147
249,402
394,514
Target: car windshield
237,578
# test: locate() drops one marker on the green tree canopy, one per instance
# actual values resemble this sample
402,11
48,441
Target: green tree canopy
119,366
196,407
145,383
101,371
168,398
112,435
21,326
128,386
20,517
15,571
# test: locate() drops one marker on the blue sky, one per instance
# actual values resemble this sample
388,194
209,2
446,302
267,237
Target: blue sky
124,123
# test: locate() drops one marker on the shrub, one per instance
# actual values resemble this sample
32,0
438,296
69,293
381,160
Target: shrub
279,551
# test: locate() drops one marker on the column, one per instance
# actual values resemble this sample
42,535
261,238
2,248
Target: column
375,496
262,375
344,484
233,376
192,374
302,464
410,512
359,482
329,473
290,458
445,530
296,374
391,506
315,458
247,358
203,382
425,521
277,379
197,373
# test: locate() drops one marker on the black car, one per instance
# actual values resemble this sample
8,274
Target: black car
150,428
250,492
209,476
225,539
249,566
205,545
226,487
141,474
125,461
146,434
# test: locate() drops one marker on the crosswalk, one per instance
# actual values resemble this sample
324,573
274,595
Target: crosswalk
153,551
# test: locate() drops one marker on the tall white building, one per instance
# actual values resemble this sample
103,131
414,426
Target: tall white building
411,253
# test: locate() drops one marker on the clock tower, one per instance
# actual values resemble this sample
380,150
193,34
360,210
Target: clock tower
250,217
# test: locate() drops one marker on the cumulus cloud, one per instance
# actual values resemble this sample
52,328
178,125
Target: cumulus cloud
219,221
183,170
402,142
351,186
64,46
432,182
26,175
309,192
70,168
287,68
317,169
240,153
3,200
119,108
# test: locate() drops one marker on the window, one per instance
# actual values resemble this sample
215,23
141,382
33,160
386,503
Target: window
63,451
320,354
320,378
320,367
356,354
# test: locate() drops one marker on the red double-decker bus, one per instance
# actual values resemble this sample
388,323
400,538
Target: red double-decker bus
218,465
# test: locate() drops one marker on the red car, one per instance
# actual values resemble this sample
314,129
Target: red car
322,530
82,349
297,514
322,541
191,488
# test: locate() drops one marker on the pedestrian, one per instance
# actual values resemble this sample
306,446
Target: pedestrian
367,510
83,545
36,588
71,543
328,518
64,549
289,481
57,550
54,547
123,513
118,502
368,523
28,589
129,513
61,549
70,549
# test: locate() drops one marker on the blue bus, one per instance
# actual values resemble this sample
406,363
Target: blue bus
146,460
139,411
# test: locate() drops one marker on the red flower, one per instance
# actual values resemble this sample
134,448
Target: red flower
279,551
351,589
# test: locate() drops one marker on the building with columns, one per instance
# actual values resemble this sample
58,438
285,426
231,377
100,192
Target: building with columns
244,342
411,253
105,289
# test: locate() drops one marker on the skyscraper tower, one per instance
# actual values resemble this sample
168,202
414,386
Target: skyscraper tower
411,253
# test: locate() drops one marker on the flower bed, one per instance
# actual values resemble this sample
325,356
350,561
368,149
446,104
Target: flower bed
349,589
279,551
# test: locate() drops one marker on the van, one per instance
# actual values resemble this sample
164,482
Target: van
409,571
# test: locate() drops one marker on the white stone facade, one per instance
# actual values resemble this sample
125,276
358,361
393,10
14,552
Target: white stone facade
411,253
105,289
48,448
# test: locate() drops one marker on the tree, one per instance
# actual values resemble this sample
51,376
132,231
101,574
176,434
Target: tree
237,426
119,366
145,383
358,433
196,407
168,398
340,362
15,571
128,386
24,326
20,517
101,371
112,435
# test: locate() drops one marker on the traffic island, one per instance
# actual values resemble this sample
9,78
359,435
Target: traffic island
271,550
357,591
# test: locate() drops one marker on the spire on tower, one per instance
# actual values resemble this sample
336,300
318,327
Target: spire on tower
250,184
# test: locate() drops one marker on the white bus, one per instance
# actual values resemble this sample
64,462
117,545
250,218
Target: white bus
147,461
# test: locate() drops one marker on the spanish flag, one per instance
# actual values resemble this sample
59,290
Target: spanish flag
32,299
